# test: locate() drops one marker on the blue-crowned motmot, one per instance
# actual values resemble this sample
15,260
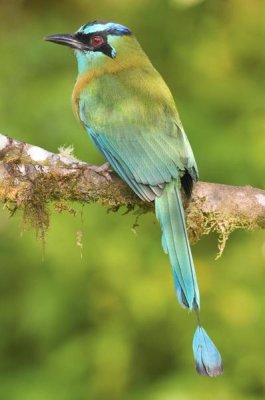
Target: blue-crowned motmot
130,115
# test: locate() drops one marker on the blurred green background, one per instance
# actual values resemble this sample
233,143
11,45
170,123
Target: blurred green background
107,325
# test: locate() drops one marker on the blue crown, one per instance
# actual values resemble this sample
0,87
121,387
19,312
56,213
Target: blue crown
109,28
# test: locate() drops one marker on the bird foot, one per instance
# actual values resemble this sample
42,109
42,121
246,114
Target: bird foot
103,170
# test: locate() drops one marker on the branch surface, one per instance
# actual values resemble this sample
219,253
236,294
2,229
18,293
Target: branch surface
31,177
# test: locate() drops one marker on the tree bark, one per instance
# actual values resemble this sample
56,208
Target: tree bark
31,178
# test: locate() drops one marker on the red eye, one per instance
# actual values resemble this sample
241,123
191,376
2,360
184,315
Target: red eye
96,40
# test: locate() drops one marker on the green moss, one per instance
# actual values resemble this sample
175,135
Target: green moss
261,222
201,223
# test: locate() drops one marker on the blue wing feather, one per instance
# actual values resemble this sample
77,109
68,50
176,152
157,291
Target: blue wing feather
150,159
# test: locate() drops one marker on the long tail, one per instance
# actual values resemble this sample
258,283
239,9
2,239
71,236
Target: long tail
170,213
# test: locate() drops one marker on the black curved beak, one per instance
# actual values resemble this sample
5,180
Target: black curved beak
66,39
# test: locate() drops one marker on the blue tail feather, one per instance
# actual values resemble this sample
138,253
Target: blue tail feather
207,358
170,213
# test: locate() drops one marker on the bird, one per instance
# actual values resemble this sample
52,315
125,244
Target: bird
130,115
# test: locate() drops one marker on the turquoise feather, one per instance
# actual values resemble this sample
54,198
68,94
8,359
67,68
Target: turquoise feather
207,358
170,213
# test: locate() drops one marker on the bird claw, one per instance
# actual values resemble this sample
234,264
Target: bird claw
103,170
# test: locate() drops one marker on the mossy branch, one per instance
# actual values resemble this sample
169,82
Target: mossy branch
31,178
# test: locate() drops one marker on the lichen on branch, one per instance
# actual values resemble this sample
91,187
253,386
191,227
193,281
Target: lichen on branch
31,178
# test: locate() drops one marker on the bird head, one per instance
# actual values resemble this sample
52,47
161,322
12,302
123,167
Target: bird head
97,43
